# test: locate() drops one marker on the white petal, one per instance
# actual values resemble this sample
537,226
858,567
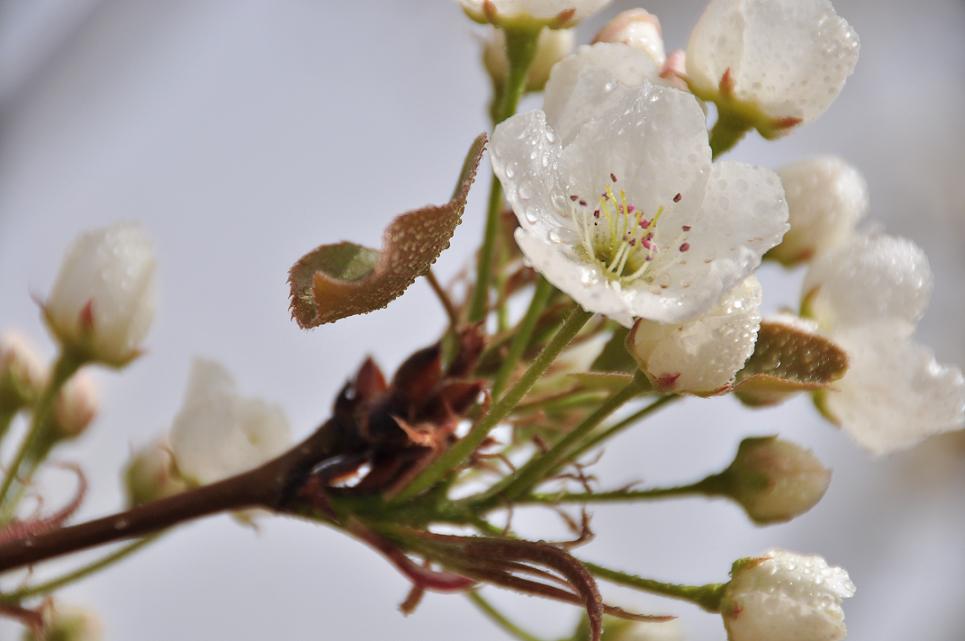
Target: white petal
577,87
895,394
218,433
869,279
539,9
786,597
580,280
826,198
112,269
789,57
743,214
701,356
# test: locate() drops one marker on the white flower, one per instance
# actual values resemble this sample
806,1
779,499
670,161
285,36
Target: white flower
867,296
102,303
618,202
782,61
551,13
219,433
553,45
637,28
784,596
22,373
775,480
76,406
701,356
826,197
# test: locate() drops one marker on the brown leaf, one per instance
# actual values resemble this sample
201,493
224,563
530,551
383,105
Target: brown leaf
788,359
344,279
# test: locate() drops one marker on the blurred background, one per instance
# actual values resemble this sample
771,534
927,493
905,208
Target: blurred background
242,133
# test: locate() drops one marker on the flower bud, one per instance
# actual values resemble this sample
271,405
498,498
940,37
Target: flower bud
775,480
531,14
151,474
701,356
22,374
69,623
637,28
826,198
102,302
75,407
553,45
784,596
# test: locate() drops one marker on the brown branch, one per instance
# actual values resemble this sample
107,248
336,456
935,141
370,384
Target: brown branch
270,486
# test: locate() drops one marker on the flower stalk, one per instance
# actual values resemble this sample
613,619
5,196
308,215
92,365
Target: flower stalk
707,596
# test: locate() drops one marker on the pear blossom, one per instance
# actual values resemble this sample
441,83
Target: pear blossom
551,13
826,198
76,406
102,302
701,356
618,202
22,373
551,47
219,433
785,596
775,480
637,28
867,296
775,62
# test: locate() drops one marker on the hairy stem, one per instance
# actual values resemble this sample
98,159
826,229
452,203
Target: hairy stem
498,617
520,50
541,296
706,487
706,596
463,449
451,313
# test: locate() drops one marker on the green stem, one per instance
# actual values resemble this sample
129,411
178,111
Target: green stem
498,618
706,596
615,429
541,296
76,575
6,420
520,50
463,449
727,132
65,367
705,487
542,464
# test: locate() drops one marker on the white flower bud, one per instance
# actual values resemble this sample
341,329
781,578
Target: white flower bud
102,303
69,623
75,407
777,62
553,45
701,356
637,28
775,480
826,198
219,433
152,474
531,13
784,596
22,373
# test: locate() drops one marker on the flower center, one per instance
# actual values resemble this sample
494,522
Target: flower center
619,237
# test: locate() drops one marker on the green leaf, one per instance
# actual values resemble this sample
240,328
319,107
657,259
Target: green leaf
615,357
343,279
788,359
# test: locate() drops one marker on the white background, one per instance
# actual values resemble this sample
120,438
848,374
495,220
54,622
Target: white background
242,133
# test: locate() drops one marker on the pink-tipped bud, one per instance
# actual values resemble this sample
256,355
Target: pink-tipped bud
637,28
75,407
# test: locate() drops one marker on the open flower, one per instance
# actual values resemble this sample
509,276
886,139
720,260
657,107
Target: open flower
219,433
867,296
774,62
551,13
826,197
701,356
618,202
102,303
784,596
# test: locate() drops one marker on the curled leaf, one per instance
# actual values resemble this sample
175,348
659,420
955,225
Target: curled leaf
788,358
344,279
